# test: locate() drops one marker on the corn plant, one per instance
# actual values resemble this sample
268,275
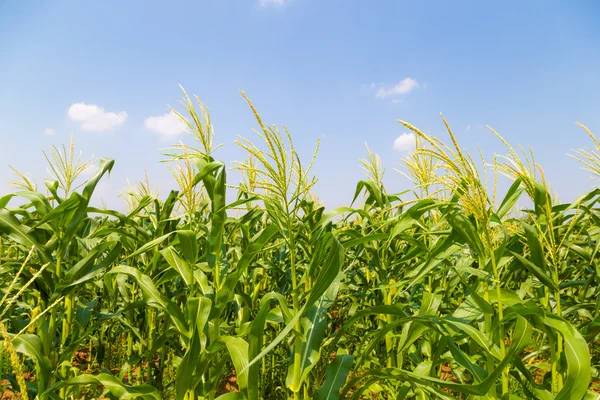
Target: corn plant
448,290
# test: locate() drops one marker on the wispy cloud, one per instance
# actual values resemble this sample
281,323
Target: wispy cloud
405,86
273,3
94,118
473,127
404,142
49,132
167,125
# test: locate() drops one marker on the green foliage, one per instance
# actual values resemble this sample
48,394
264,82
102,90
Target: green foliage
436,293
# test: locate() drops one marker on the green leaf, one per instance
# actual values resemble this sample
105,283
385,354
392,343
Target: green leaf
411,216
178,264
238,351
106,165
32,347
226,291
520,338
154,298
578,372
535,247
510,198
336,375
111,383
89,267
375,195
151,244
465,229
193,363
315,328
536,271
413,330
189,245
12,227
38,200
327,275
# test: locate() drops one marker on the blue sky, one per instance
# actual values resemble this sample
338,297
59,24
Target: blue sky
340,71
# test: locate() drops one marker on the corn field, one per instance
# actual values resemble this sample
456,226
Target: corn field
447,291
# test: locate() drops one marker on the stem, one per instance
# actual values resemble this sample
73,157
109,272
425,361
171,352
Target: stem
163,360
130,339
557,378
387,300
506,370
297,326
1,356
487,321
501,339
263,368
65,325
129,352
272,371
151,328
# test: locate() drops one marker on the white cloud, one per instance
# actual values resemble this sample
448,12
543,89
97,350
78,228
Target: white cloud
404,142
471,127
94,118
167,125
49,132
405,86
275,3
